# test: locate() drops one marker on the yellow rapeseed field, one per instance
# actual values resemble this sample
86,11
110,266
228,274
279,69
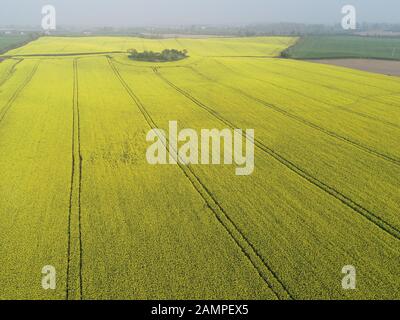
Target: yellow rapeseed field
77,193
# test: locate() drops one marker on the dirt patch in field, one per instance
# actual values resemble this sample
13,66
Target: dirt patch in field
387,67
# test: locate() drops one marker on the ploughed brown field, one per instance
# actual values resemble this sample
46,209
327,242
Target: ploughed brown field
391,68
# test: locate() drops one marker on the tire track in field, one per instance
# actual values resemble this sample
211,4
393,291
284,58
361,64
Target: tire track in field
17,92
329,86
340,78
248,249
306,122
340,70
179,43
10,72
369,215
342,107
350,71
151,67
392,95
74,285
388,92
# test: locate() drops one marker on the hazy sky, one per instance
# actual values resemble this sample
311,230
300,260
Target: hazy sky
178,12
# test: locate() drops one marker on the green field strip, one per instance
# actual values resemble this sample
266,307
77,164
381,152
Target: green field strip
5,108
305,122
158,238
11,42
74,263
270,218
320,47
378,221
34,191
262,267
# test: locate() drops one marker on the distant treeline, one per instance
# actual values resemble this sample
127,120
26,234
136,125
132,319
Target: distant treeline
251,30
164,56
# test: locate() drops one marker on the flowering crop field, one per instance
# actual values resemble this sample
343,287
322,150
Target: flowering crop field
77,193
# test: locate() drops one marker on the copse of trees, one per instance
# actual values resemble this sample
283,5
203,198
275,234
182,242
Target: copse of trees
164,56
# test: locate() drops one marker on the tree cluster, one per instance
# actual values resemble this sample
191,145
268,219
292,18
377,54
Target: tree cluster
164,56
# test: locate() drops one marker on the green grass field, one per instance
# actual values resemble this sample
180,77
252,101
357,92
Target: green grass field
8,42
77,192
326,47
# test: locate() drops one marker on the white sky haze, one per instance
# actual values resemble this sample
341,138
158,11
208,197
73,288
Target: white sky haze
185,12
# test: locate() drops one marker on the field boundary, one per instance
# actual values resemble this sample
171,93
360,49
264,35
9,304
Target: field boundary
284,54
248,249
